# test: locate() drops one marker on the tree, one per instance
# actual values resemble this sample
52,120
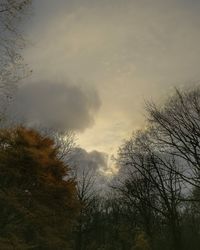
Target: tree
12,67
87,197
152,185
176,129
38,204
65,141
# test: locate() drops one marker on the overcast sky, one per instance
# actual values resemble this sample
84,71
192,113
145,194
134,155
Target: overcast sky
95,62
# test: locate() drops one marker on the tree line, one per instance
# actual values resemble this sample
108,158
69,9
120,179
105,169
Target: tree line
152,203
47,203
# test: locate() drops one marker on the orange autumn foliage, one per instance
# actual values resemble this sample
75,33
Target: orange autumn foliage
34,189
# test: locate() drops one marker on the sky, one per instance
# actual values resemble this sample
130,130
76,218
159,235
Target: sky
96,62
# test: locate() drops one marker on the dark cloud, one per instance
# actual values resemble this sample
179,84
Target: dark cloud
93,164
94,160
55,105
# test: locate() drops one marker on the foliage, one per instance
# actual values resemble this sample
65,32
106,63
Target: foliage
141,242
153,203
38,205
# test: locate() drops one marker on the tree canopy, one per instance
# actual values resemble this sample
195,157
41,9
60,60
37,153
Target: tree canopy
38,204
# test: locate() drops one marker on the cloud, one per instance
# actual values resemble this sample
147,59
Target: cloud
93,165
55,105
130,50
93,160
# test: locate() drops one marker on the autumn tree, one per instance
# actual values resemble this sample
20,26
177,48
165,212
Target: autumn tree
38,201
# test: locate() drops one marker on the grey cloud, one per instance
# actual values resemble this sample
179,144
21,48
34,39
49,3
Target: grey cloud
93,164
55,105
130,50
93,160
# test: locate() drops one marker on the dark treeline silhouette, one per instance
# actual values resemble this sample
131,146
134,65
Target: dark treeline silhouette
152,203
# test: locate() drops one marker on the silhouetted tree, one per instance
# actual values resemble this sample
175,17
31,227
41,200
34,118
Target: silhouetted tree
176,129
152,184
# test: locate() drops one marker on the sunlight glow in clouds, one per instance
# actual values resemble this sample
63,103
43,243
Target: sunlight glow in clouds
127,50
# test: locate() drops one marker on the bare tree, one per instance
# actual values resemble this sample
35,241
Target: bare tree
176,130
152,184
12,67
65,141
87,196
